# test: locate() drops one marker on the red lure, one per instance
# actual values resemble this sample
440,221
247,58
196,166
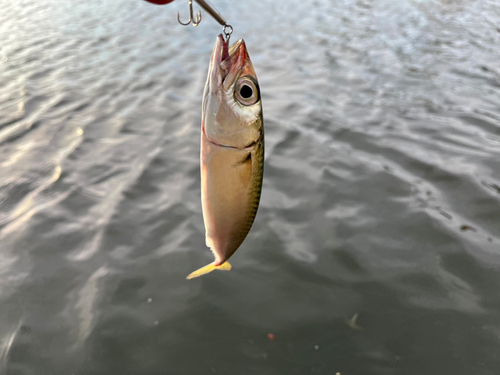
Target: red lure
159,2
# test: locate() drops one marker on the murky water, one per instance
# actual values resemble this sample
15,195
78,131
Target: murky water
381,192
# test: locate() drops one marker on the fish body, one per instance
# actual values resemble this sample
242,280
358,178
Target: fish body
232,151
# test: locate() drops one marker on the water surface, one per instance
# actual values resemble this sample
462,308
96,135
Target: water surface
381,191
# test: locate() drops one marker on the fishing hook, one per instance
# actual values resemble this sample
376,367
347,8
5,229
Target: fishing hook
211,11
195,20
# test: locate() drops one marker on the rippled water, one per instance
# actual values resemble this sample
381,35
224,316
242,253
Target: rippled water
381,192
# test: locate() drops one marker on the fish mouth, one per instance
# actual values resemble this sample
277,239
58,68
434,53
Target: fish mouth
227,62
229,54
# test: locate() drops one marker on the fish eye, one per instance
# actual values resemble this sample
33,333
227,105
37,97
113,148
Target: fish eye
247,91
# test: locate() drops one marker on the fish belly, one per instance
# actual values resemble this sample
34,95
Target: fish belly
231,181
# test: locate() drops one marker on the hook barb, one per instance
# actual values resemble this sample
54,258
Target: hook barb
195,21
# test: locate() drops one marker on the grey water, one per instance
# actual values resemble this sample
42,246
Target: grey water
376,248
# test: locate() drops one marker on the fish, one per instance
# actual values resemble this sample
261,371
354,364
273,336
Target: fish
232,151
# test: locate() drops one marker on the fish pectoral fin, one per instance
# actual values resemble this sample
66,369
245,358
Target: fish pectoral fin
246,159
209,268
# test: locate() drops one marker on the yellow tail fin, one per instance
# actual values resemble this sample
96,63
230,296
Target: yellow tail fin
209,268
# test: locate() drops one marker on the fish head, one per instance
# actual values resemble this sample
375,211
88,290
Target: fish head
232,109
